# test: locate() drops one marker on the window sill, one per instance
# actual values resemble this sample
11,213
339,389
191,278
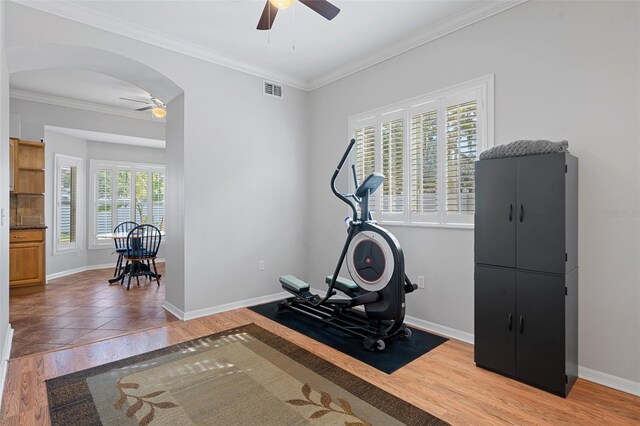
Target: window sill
465,226
60,252
101,246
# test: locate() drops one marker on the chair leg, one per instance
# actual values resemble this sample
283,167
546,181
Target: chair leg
118,263
124,274
155,269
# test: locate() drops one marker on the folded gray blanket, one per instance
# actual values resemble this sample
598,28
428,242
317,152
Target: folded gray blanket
524,147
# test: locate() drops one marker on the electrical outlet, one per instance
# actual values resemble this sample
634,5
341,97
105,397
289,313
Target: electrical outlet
260,265
420,281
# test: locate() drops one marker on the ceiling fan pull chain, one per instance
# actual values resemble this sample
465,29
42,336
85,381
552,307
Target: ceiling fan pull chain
293,25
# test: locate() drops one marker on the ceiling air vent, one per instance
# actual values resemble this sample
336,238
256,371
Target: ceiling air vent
272,89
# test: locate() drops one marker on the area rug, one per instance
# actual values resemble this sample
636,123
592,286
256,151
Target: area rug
397,354
243,376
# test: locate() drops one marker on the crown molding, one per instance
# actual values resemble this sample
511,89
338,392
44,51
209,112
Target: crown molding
27,95
121,27
441,29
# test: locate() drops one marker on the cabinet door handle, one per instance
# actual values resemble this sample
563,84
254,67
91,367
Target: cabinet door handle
510,212
521,324
510,322
20,237
521,213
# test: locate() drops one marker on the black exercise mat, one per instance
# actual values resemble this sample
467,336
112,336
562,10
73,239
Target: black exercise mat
398,353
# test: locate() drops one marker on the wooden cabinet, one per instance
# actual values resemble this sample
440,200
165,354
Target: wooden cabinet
12,162
526,275
27,261
28,167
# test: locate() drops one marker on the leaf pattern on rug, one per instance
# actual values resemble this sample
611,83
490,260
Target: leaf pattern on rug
325,406
140,402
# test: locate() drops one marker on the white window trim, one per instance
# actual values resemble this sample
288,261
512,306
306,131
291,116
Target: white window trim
94,166
76,247
484,86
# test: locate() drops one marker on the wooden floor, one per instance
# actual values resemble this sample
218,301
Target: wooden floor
444,382
83,308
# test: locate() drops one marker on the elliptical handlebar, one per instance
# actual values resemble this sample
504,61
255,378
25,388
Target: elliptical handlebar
335,176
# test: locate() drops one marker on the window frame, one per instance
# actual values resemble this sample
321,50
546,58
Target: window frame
75,247
483,89
115,166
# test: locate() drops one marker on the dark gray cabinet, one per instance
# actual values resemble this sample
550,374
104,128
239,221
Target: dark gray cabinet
495,316
526,269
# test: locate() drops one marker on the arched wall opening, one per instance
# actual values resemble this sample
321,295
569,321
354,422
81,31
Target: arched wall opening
59,56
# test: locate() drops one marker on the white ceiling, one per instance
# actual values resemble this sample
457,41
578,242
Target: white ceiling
365,32
108,137
87,86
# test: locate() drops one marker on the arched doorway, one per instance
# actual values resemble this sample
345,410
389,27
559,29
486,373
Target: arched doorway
49,56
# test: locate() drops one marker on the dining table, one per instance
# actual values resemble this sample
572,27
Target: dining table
122,236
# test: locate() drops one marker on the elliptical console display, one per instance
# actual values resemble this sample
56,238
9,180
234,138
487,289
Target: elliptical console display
376,264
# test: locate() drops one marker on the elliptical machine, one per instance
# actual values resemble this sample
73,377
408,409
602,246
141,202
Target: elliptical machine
376,265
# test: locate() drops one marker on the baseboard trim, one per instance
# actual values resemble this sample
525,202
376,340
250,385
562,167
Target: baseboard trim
197,313
6,352
440,329
85,269
173,309
609,380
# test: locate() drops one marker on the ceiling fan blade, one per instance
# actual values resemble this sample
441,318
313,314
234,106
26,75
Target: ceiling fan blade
267,17
146,108
134,100
323,7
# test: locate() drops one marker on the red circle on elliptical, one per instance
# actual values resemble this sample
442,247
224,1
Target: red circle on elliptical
368,260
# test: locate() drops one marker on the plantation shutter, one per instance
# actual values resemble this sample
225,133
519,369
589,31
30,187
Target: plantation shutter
392,150
461,145
157,198
424,166
104,198
67,204
366,157
142,197
67,224
123,188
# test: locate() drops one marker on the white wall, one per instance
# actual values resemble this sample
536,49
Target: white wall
35,116
4,200
244,180
562,71
57,143
174,203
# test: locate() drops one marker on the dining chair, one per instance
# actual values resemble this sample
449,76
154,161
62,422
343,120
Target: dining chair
143,243
121,243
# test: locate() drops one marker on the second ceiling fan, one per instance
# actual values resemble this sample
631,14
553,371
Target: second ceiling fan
322,7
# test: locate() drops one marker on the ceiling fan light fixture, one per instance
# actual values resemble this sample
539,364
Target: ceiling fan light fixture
159,112
281,4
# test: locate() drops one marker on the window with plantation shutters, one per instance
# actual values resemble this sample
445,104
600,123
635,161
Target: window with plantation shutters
424,164
392,153
426,147
365,160
123,206
461,156
104,201
126,192
67,221
157,198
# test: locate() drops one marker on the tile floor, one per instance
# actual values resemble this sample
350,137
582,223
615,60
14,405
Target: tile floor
83,308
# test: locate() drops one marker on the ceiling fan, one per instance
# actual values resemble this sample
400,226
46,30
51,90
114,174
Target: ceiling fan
322,7
157,107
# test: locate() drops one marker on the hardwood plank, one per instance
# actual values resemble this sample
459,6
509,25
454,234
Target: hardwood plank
444,382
